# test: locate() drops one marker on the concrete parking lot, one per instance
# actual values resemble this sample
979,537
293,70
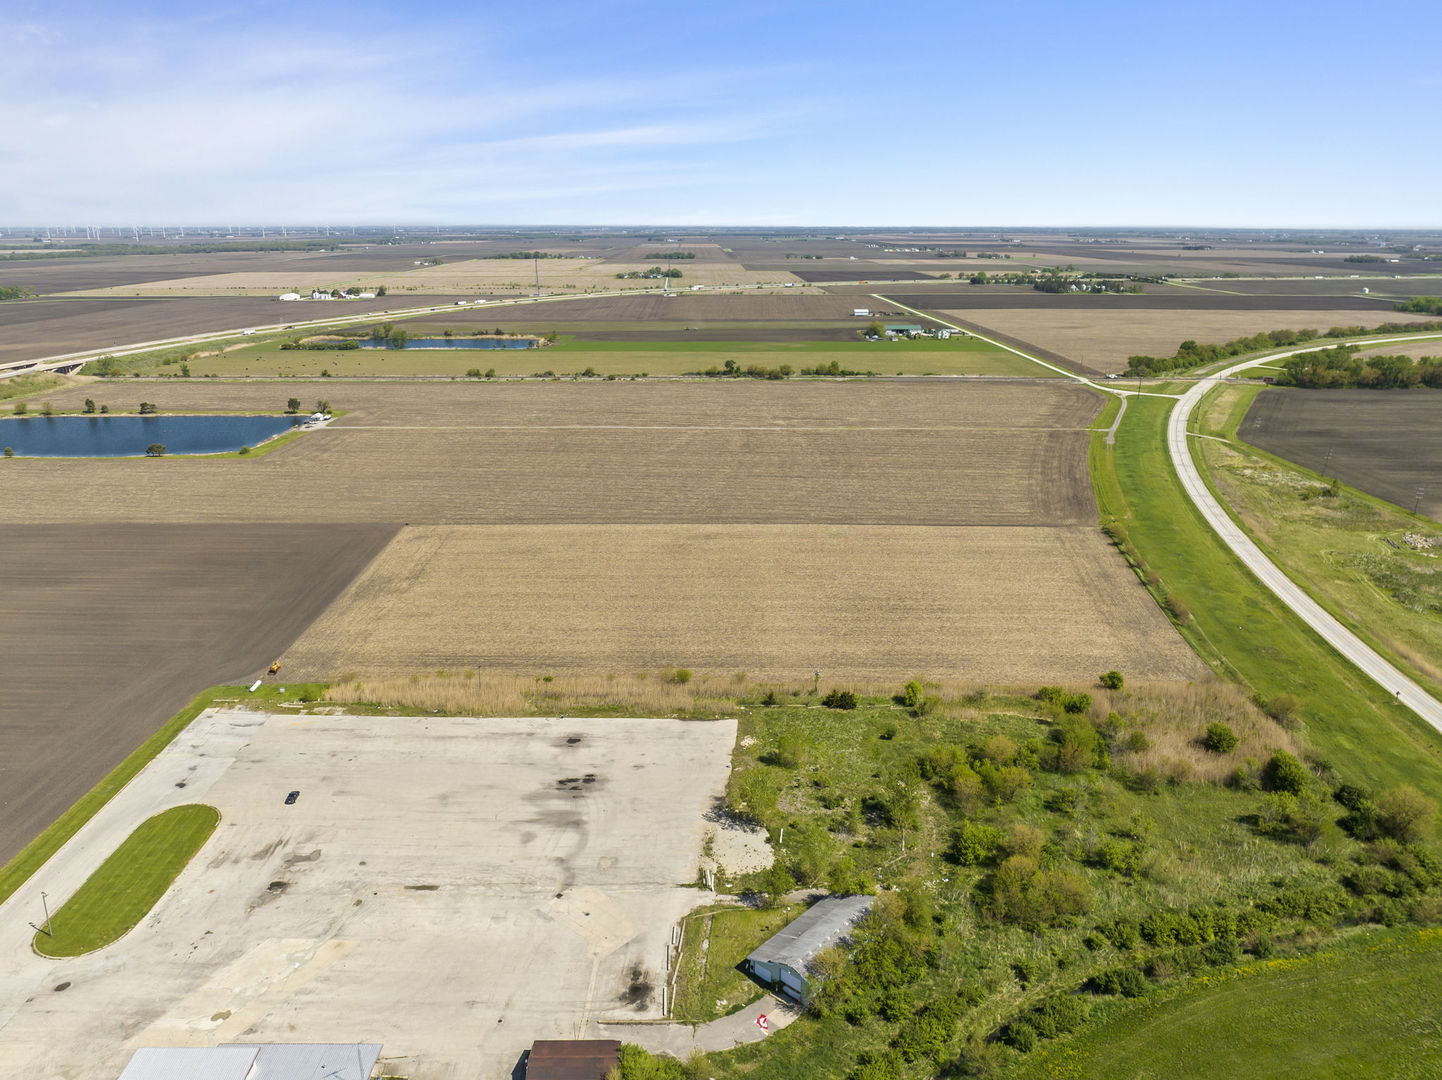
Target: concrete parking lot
451,888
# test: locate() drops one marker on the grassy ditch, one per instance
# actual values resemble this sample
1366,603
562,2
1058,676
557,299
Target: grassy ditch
129,883
1373,997
1239,627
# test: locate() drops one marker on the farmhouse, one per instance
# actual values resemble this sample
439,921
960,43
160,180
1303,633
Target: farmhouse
244,1061
785,961
903,328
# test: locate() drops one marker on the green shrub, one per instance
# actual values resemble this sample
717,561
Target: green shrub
1404,814
912,694
1111,680
1220,739
974,844
1127,982
1060,1015
1286,774
681,676
840,699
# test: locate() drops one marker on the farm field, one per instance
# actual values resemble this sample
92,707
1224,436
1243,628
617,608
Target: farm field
448,278
958,356
983,604
34,328
1387,443
737,451
481,849
1158,298
1413,349
1359,1009
113,628
1100,340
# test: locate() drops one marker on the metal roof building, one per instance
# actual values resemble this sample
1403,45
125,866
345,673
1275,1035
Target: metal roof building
268,1061
572,1059
784,962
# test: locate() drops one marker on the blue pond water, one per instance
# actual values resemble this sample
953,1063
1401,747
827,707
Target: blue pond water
128,436
457,343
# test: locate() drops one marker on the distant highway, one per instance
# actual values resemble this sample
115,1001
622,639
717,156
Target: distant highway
1353,648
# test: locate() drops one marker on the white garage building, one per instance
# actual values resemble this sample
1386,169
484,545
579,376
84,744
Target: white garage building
784,963
268,1061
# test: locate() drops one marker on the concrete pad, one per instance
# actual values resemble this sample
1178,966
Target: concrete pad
451,888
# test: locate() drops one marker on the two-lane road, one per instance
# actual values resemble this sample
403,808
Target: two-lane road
1313,614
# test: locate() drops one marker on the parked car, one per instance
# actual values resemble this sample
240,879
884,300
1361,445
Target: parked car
290,799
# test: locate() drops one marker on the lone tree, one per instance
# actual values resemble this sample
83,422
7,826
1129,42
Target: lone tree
89,405
292,405
155,449
322,406
147,408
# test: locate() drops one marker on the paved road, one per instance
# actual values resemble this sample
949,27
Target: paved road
1313,614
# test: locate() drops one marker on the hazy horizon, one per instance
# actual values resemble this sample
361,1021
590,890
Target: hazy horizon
747,114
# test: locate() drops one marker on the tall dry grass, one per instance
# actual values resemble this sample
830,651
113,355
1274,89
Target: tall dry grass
1175,716
489,693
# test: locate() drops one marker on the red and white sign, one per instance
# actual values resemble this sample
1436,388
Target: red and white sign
763,1023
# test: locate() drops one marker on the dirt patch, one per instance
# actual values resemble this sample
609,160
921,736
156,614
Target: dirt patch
1386,442
111,629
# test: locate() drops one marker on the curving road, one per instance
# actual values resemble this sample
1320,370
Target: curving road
1313,614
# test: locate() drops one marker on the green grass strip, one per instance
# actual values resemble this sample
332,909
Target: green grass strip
35,854
129,883
1362,1009
1239,627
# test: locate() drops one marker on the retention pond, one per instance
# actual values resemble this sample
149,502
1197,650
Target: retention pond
131,436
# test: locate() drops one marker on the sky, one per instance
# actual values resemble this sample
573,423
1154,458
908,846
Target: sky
1304,113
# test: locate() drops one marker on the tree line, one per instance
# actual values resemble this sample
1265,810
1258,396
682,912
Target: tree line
1191,353
1341,368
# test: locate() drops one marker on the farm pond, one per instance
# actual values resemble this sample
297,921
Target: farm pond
129,436
456,343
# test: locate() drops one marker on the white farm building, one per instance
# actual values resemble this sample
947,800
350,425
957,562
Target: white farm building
785,961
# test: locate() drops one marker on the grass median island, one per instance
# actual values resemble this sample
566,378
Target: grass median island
129,883
1365,1008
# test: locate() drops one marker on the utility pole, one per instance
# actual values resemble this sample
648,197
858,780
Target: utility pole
1417,500
1327,460
536,265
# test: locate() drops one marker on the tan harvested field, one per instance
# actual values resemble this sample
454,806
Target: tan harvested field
35,328
1414,349
108,630
880,453
699,308
864,603
1102,340
449,278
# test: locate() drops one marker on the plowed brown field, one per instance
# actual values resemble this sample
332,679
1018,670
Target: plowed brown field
866,603
108,630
